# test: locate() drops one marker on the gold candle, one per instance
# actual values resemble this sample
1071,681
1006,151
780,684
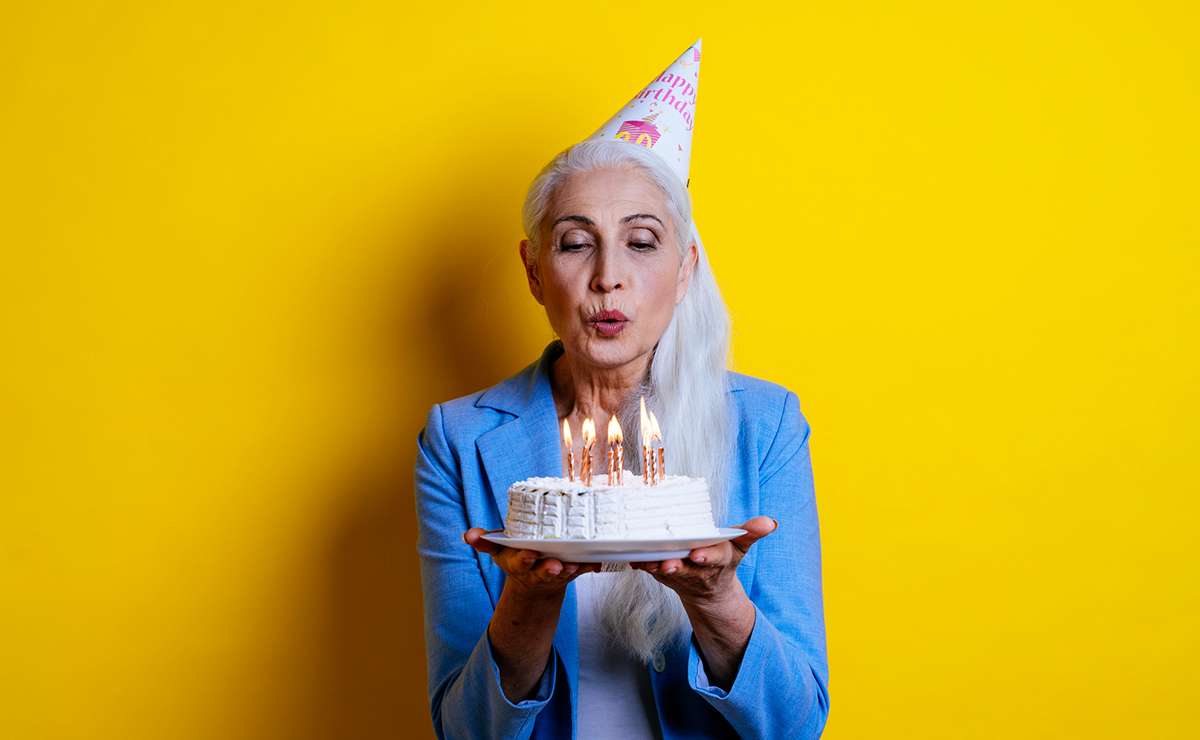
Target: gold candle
614,449
656,434
567,443
644,428
589,439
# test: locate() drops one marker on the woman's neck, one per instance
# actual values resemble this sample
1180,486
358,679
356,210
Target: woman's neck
585,391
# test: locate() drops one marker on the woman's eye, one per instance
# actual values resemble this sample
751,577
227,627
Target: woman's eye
642,246
571,247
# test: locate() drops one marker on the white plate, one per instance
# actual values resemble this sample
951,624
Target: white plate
613,551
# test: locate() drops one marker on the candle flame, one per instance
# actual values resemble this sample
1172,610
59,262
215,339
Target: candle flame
567,441
644,427
614,431
589,432
655,432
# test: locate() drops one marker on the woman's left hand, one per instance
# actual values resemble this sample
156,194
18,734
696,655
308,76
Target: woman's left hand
707,574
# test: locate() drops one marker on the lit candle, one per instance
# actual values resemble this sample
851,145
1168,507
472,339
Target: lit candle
567,444
589,439
656,433
620,445
644,428
615,451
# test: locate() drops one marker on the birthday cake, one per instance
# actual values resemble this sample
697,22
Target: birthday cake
616,506
559,508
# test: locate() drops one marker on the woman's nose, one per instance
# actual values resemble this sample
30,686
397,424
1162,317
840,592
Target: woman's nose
608,275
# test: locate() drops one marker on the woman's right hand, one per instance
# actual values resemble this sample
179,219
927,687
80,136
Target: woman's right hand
532,574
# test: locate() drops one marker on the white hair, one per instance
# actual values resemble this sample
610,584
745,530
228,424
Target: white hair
686,388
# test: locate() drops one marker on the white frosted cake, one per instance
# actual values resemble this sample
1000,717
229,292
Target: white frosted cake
557,508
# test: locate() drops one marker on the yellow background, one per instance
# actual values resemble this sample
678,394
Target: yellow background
245,248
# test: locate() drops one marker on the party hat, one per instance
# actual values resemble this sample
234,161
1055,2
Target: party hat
661,116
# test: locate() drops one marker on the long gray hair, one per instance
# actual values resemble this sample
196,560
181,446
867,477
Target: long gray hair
686,388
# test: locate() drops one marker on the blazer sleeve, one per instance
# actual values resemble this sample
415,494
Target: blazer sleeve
465,694
781,689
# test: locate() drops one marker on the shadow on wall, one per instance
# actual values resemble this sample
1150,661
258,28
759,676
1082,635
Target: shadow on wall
436,342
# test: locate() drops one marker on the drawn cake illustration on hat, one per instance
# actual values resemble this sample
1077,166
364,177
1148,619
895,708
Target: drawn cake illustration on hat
640,132
661,116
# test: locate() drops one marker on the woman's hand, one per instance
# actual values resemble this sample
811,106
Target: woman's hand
521,629
721,613
708,575
527,570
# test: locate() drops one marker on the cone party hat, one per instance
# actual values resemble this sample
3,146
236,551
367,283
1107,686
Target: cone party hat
661,116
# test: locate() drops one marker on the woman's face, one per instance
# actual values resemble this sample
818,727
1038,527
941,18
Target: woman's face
609,272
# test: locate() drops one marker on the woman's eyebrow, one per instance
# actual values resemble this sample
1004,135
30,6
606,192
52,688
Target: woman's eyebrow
635,216
580,219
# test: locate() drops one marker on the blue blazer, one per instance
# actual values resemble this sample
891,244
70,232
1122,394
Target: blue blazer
472,448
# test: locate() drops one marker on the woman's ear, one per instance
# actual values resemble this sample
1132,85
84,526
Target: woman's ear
531,273
686,270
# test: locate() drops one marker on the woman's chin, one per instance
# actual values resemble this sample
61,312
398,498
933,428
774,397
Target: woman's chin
608,352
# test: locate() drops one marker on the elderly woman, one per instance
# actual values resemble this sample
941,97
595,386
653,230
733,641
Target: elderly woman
726,642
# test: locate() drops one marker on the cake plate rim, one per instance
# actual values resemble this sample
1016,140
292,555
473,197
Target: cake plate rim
616,550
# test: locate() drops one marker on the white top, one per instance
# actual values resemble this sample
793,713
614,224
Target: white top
615,698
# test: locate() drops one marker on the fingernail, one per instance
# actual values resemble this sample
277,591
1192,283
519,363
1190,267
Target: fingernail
671,569
776,523
700,559
465,538
571,569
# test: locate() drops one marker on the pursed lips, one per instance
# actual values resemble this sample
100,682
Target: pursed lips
609,322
